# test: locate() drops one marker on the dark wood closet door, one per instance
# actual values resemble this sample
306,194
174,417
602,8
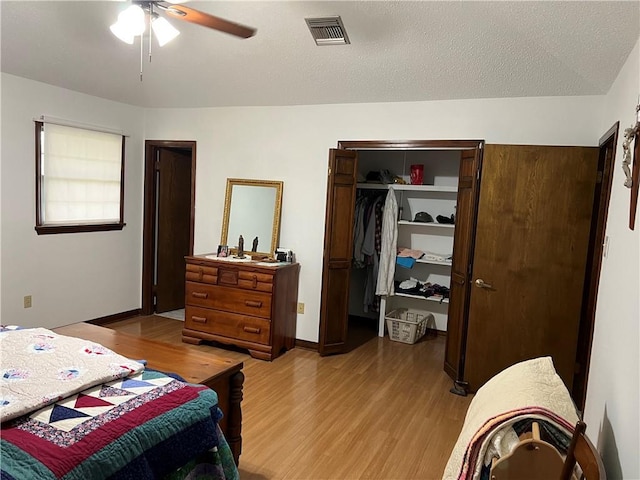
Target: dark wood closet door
468,179
174,216
338,251
531,241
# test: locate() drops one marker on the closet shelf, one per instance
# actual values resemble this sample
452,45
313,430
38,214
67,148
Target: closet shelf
434,262
420,297
425,224
413,188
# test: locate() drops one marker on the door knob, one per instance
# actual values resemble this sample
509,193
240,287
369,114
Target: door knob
481,284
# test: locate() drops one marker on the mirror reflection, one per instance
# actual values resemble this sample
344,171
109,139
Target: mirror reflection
252,209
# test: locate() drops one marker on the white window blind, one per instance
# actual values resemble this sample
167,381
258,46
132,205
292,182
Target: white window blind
81,176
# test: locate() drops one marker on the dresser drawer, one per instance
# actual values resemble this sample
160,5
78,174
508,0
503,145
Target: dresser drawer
247,280
227,324
228,299
201,273
260,282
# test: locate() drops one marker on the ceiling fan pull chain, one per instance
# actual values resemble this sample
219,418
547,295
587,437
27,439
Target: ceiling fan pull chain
141,55
150,29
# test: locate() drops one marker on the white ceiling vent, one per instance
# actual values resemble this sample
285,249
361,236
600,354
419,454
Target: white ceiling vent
327,30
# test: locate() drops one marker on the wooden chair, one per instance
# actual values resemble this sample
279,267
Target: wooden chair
531,459
582,452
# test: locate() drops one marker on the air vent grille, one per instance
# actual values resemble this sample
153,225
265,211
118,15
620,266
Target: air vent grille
328,30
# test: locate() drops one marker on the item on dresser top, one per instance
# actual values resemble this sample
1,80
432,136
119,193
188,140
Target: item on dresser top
423,217
446,220
254,247
284,255
223,250
231,258
240,253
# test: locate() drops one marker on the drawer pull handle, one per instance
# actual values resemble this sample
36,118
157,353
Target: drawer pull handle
252,303
255,281
200,294
251,329
198,319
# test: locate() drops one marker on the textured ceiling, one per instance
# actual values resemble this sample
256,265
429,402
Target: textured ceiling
399,51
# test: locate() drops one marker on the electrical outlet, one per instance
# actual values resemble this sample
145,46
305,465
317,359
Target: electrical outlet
300,307
27,301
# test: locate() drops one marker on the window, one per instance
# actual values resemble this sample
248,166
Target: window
79,179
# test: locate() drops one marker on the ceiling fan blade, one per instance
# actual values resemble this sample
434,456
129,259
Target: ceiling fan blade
206,20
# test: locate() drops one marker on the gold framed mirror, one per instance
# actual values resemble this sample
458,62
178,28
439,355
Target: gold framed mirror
252,209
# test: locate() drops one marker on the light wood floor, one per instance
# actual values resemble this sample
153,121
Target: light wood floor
381,411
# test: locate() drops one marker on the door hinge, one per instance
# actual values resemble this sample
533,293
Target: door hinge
329,171
157,164
599,177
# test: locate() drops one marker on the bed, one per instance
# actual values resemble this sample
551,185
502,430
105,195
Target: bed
522,416
74,409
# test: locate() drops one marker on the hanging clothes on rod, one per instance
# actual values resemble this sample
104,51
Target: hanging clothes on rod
367,241
384,284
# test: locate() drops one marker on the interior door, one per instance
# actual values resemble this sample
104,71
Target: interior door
173,217
467,202
338,251
530,255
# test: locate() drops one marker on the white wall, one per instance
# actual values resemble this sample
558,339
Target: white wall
292,144
613,391
72,277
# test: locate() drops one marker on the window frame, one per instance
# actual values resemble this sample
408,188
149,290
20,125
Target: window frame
44,229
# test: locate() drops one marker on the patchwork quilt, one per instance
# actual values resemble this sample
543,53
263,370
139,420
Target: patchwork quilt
145,426
38,367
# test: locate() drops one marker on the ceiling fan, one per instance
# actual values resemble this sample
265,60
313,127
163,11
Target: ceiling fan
131,22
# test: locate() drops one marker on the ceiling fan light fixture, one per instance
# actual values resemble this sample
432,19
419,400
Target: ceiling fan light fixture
130,23
122,33
163,30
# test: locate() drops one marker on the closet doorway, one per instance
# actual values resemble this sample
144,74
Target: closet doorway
169,207
462,157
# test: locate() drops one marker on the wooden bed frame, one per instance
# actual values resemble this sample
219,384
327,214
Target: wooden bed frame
221,374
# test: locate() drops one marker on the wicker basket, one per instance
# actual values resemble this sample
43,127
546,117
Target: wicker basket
407,325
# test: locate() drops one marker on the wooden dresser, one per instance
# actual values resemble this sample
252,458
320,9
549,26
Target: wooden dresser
251,305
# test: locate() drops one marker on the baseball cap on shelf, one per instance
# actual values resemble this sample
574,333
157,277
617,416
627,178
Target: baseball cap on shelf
423,217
